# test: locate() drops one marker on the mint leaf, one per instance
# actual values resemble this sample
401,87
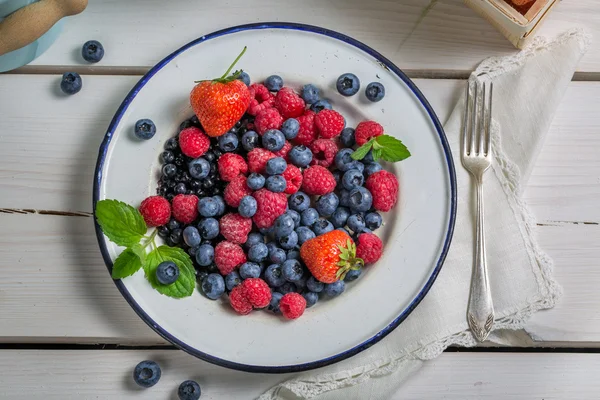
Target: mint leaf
362,151
377,154
120,222
139,251
184,285
392,149
126,264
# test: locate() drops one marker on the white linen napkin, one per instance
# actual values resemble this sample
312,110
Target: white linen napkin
528,87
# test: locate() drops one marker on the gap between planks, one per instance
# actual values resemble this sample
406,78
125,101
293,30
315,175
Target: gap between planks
138,71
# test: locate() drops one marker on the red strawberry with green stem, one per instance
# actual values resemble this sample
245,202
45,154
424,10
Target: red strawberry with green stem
220,103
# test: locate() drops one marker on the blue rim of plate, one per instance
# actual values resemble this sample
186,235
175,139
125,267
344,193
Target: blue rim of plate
313,364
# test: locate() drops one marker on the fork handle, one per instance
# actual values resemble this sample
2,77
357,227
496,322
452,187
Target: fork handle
480,312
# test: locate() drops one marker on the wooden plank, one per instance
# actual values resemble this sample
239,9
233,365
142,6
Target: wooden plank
415,34
61,144
65,375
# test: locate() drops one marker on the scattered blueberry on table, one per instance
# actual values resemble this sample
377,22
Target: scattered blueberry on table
92,51
71,83
147,373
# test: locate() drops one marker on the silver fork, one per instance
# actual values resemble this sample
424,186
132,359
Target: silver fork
476,158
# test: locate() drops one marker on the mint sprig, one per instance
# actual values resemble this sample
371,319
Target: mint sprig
384,147
125,226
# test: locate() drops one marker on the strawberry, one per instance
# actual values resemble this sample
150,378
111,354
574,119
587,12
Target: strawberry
220,103
330,256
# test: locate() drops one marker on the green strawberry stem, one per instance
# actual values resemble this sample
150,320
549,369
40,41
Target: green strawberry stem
226,78
348,260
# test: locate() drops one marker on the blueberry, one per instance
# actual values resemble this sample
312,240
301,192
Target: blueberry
276,183
301,284
250,140
175,236
205,255
255,181
169,170
145,129
276,166
375,91
171,144
287,287
289,242
327,204
199,168
337,175
314,285
283,226
348,84
360,200
343,160
267,232
352,178
146,373
232,279
249,270
321,227
300,156
208,207
247,207
344,198
191,236
189,390
173,224
274,83
356,223
340,217
258,252
228,142
299,201
167,272
347,137
274,275
274,304
368,158
335,289
290,128
92,51
167,157
208,228
71,83
311,298
352,275
213,286
373,220
320,105
163,231
295,217
220,203
304,233
277,256
372,168
244,77
309,217
273,140
310,94
293,255
253,238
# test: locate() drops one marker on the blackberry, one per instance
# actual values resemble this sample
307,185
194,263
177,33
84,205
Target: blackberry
208,183
200,275
209,156
173,224
200,192
212,268
171,144
167,157
169,170
179,160
162,191
175,235
181,188
170,197
163,231
195,184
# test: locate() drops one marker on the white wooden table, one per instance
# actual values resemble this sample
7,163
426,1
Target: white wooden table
65,330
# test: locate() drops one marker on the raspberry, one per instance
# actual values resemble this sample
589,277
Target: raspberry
235,228
257,292
292,305
289,104
185,208
307,132
318,180
293,179
257,159
366,130
232,165
287,146
383,185
369,248
156,210
329,123
238,301
324,151
267,119
193,142
269,206
228,256
261,99
236,190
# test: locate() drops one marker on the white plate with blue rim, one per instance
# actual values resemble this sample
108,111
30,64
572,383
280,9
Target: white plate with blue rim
416,233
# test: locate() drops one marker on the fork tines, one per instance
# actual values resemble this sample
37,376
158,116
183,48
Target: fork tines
477,119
